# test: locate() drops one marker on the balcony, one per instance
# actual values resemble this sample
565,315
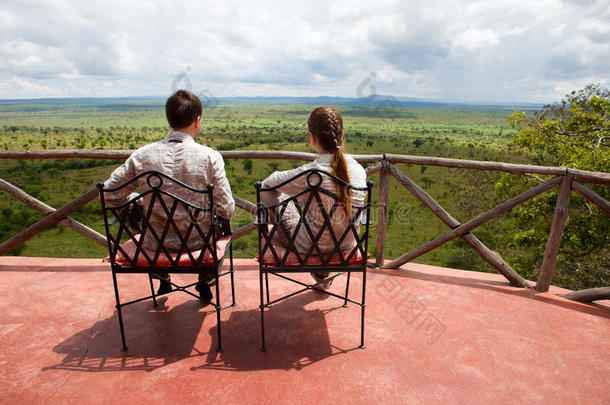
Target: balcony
433,334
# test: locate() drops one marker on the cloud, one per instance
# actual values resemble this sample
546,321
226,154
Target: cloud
451,50
474,38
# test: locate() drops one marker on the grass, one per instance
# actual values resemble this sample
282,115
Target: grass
470,133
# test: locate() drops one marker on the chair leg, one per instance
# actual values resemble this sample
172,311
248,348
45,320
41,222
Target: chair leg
363,308
349,273
118,308
232,278
262,308
152,290
267,286
219,349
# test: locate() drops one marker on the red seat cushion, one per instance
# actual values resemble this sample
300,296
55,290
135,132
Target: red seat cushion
163,261
314,260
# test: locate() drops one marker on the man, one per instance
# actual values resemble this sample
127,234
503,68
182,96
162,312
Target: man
180,157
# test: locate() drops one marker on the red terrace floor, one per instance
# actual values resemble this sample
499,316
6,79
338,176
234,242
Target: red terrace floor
433,335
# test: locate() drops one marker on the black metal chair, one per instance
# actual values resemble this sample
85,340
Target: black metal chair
127,253
316,219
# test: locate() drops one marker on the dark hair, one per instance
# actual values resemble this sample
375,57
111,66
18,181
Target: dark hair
326,124
182,108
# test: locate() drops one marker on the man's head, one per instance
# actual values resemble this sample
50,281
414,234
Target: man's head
183,110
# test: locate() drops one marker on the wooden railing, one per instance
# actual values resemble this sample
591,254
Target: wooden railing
567,180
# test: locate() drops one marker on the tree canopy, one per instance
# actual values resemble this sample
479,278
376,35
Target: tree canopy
573,133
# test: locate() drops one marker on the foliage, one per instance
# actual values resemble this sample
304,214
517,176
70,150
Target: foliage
479,133
573,133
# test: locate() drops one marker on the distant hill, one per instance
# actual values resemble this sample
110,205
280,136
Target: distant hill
377,100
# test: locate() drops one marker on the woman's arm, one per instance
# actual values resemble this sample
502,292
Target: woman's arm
289,188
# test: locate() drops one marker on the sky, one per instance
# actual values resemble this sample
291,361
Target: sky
461,51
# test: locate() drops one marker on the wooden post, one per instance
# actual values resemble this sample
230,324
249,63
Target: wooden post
243,230
247,228
592,196
487,254
473,223
588,295
382,211
47,209
245,205
552,245
373,169
49,220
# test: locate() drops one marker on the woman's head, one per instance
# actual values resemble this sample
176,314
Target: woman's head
326,125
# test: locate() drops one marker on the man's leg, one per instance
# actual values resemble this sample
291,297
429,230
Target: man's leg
203,286
164,285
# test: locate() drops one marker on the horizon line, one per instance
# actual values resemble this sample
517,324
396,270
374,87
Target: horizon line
380,100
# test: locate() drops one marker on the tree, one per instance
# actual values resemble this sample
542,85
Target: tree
247,165
574,133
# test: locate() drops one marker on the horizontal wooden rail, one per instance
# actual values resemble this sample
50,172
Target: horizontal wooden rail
590,177
66,154
380,163
582,175
124,154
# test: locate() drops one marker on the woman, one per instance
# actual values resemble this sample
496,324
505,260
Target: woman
326,136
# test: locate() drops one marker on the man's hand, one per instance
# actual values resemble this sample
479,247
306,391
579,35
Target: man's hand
135,215
222,225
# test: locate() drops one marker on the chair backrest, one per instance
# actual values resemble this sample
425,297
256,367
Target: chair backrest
163,201
320,216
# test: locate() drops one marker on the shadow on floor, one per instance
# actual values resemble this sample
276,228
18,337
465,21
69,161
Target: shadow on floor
504,288
296,337
155,337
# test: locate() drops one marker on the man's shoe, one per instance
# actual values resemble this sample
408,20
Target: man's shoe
164,287
205,294
209,279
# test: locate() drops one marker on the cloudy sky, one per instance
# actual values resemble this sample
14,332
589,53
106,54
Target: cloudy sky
473,51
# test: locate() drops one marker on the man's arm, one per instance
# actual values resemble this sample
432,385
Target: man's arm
119,176
224,203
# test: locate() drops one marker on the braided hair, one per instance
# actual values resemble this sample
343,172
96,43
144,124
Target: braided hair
326,124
